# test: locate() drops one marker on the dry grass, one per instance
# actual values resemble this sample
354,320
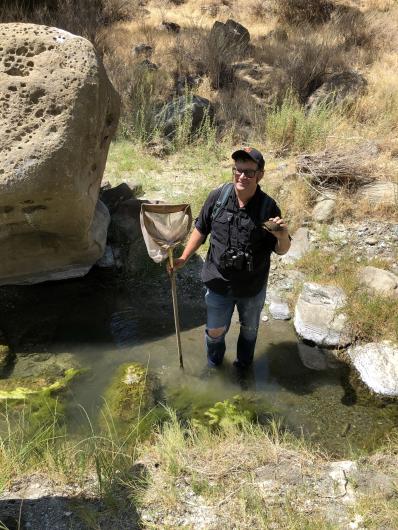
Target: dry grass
296,12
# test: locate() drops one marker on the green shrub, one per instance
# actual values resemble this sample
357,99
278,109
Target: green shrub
289,127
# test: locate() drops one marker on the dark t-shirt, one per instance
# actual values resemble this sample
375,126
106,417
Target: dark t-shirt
234,226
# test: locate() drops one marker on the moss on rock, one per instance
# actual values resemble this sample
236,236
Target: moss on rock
132,393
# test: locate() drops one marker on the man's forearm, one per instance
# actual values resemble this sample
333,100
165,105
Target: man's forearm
193,244
282,245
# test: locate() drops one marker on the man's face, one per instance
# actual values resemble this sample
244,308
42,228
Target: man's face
246,181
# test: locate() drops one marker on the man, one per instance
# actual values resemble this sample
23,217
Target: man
237,264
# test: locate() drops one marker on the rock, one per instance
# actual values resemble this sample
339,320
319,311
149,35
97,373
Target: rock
338,88
341,472
38,373
171,27
108,259
279,309
323,210
381,193
124,191
131,394
172,115
5,352
377,364
143,49
187,82
125,236
149,65
59,112
379,281
264,318
299,246
231,36
318,318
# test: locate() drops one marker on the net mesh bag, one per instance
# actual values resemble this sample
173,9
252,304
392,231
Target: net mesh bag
164,226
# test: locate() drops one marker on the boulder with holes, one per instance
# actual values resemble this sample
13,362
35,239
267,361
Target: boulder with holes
58,115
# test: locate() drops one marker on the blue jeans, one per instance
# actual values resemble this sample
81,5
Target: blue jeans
219,313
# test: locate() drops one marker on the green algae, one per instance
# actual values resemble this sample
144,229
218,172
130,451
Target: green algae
20,389
131,400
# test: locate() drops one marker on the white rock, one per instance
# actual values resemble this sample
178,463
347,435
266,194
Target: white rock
318,315
323,210
299,246
279,310
377,364
379,280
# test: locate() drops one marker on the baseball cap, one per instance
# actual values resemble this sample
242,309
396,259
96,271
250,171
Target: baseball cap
250,152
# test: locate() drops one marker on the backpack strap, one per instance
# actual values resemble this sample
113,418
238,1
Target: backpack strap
222,199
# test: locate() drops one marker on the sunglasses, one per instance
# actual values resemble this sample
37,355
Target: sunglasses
249,173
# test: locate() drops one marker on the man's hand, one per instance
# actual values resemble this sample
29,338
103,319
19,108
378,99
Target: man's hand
178,263
279,230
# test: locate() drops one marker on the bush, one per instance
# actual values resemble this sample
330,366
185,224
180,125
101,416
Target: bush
297,12
289,128
81,17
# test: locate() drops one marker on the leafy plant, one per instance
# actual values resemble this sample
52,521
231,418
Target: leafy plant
225,414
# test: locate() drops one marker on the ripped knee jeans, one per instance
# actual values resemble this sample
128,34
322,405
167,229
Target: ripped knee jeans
219,313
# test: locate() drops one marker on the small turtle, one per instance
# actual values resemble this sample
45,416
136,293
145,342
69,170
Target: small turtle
271,226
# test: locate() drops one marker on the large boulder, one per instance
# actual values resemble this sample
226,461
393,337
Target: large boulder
58,115
318,315
231,35
377,364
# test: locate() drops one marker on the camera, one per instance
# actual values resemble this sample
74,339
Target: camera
236,259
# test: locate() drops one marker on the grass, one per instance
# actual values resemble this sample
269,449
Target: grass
216,470
289,128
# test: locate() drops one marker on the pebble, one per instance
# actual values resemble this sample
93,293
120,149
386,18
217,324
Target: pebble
371,241
264,318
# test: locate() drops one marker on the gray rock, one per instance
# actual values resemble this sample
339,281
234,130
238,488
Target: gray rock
381,193
143,49
230,35
173,114
379,281
299,246
318,315
149,65
377,364
108,259
323,210
279,309
338,88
